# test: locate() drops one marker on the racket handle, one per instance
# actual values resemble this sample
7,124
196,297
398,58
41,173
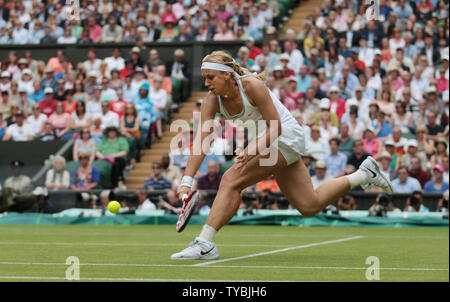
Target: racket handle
185,196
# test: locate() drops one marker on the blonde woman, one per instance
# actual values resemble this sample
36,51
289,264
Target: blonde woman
244,98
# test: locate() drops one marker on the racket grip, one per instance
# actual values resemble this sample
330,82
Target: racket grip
184,196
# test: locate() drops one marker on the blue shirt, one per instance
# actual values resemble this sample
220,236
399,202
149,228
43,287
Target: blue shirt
303,83
335,163
409,186
158,184
93,177
386,129
37,96
429,187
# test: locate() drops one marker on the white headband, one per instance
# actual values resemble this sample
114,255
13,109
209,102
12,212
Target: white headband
217,66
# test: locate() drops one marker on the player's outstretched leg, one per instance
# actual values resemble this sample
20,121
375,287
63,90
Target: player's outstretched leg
295,183
225,206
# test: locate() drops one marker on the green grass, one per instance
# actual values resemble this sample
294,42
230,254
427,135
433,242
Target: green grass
141,253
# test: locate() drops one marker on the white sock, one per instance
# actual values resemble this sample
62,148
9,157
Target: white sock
357,178
207,233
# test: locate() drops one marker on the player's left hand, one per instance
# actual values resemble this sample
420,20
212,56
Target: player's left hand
241,158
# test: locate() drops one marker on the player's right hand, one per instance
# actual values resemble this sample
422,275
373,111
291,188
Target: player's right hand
183,191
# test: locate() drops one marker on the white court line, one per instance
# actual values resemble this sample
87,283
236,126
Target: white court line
231,266
131,244
280,250
139,279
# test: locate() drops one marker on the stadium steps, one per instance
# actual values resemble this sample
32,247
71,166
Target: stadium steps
300,13
143,169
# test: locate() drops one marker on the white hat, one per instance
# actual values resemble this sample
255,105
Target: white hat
377,52
431,89
321,164
285,56
48,90
352,102
92,73
411,143
6,74
334,88
325,103
179,52
142,29
389,143
136,49
26,71
40,191
278,68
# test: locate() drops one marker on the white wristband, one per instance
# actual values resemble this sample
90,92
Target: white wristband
187,181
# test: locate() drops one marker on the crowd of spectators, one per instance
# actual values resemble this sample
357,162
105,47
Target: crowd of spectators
359,86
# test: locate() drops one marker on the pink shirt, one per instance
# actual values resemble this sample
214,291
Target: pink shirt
60,121
371,147
397,84
95,32
224,36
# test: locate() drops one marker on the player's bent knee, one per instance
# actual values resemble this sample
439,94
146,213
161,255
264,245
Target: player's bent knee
307,207
229,180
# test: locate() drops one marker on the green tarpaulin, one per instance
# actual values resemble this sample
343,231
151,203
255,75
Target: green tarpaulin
261,217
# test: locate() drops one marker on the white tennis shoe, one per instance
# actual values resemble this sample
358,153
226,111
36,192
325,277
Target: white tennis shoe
375,176
198,250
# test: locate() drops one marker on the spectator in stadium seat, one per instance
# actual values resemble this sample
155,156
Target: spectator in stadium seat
48,104
108,117
211,180
85,177
412,151
335,161
3,126
17,181
80,118
321,176
271,58
417,172
372,144
385,159
358,155
49,80
111,32
114,149
157,181
318,146
153,61
398,140
60,120
129,127
47,133
434,129
404,183
171,172
345,140
347,203
57,178
415,203
144,202
84,143
437,184
94,106
146,111
19,131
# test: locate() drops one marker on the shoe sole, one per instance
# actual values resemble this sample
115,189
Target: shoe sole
188,210
377,167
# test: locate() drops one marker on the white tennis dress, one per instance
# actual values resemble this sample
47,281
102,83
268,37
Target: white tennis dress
291,143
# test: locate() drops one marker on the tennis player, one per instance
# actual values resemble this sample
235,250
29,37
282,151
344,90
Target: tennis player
241,96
